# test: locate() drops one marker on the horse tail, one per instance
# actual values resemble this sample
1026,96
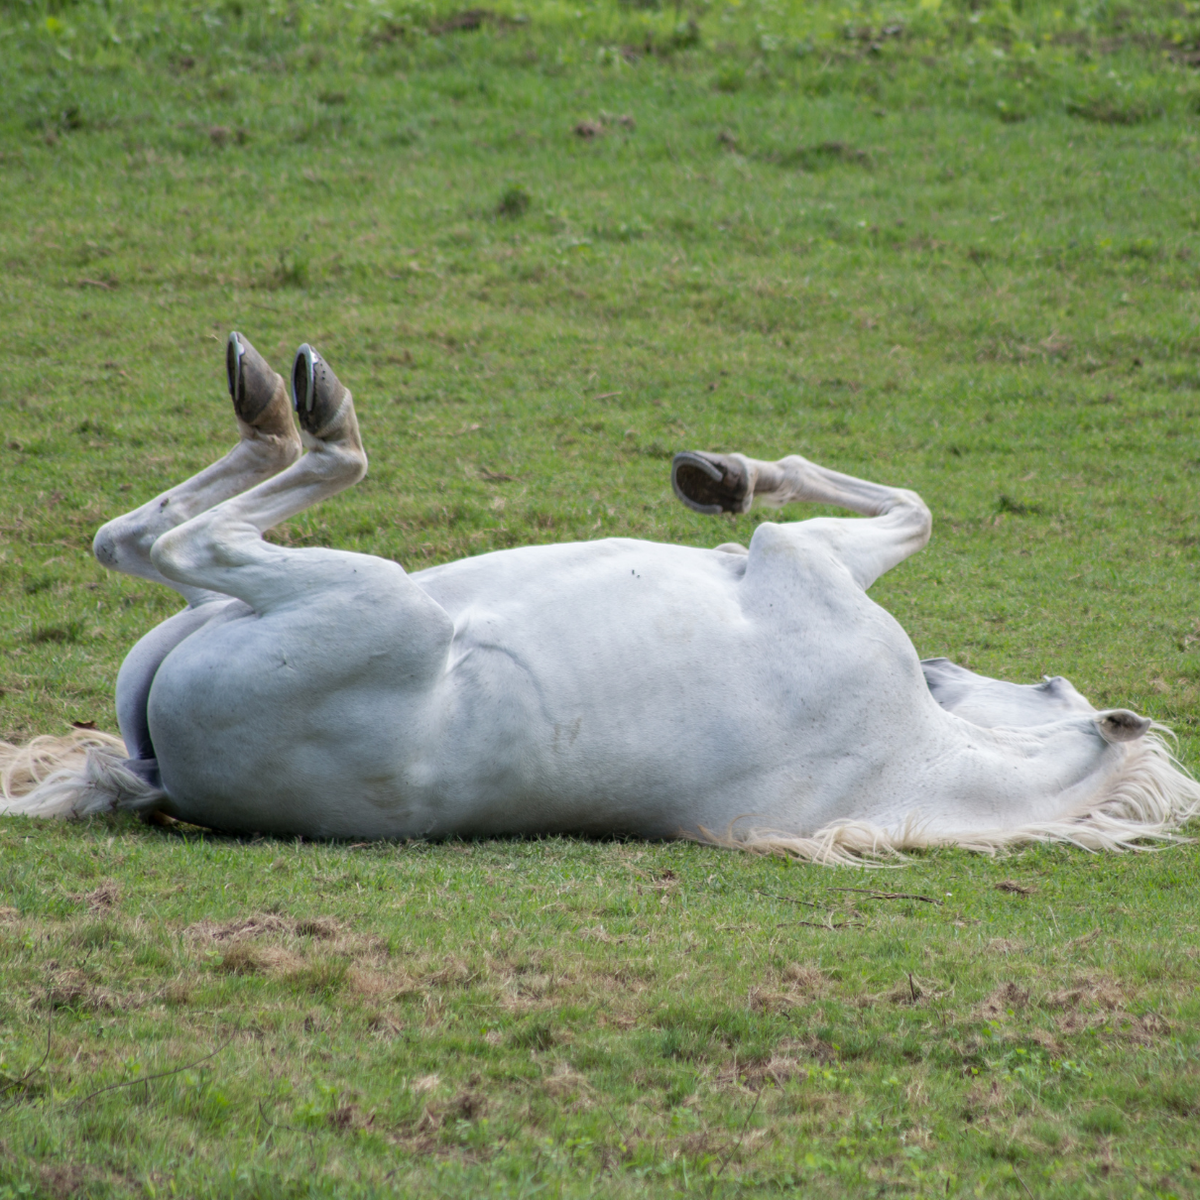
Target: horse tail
79,775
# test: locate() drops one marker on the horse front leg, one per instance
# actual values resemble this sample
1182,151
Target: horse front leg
900,522
268,444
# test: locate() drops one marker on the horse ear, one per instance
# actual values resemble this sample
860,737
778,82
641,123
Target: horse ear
1121,725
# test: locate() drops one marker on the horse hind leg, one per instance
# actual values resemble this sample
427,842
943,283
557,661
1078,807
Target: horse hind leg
222,548
268,444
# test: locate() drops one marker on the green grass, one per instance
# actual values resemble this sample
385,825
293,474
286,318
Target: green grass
948,249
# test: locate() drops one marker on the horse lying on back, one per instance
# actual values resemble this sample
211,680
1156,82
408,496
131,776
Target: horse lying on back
756,697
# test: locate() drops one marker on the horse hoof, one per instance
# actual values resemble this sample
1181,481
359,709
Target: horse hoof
711,483
317,393
252,383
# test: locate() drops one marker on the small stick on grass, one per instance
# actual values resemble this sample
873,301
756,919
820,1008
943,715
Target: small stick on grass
824,924
787,899
150,1078
738,1140
889,895
16,1083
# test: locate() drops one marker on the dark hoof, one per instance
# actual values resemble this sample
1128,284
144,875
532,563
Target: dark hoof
710,483
317,393
252,383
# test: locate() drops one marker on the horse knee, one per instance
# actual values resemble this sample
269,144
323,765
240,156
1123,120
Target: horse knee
920,518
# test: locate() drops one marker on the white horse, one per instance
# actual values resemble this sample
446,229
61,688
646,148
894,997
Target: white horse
755,697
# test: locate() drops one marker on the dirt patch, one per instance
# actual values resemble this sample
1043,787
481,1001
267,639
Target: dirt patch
983,1100
245,927
105,896
776,1070
1008,998
317,927
1015,888
8,914
1084,994
349,1116
64,1180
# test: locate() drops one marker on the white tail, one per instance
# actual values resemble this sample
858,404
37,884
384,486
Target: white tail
73,776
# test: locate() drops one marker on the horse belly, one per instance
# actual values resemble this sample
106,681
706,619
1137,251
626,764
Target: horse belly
655,701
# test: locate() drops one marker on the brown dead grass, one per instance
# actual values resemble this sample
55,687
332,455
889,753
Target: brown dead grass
753,1076
317,927
384,1026
1005,946
75,989
913,990
1083,993
805,980
799,984
1015,888
64,1180
257,925
1008,998
349,1116
105,896
563,1080
253,958
1139,1029
985,1100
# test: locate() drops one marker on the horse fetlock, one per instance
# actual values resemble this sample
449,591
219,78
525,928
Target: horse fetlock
342,462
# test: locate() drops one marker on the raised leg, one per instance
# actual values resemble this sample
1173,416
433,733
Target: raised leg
900,522
269,443
221,547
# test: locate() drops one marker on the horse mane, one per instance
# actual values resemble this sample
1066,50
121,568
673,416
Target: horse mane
1151,798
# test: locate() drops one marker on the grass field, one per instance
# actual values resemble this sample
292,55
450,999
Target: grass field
950,247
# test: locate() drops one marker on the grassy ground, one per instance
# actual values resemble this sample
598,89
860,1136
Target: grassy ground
946,248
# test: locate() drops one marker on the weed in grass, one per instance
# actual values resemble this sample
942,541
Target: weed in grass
514,201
